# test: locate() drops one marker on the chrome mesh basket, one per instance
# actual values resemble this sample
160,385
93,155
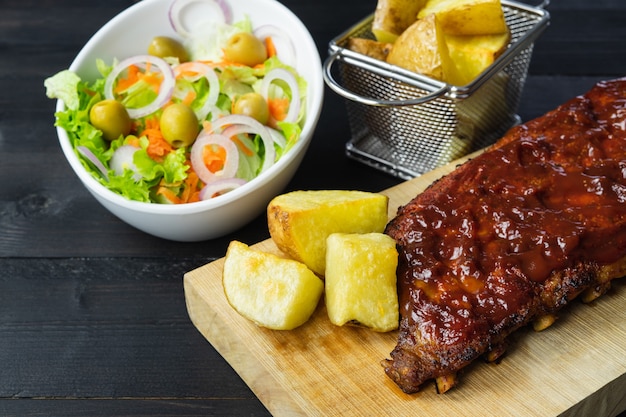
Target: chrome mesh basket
406,124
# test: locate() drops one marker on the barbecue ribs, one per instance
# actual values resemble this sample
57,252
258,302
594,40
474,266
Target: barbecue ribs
510,237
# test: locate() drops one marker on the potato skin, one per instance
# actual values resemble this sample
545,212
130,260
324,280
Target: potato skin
392,17
422,49
300,221
467,17
373,49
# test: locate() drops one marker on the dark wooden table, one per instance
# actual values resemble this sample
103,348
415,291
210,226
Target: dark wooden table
92,311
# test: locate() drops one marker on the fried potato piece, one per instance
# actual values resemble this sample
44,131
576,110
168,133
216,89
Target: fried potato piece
271,291
422,49
474,54
300,221
361,281
392,17
373,49
467,17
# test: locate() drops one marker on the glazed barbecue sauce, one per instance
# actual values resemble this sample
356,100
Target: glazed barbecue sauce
547,197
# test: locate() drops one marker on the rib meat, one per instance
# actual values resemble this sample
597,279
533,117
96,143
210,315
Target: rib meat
510,236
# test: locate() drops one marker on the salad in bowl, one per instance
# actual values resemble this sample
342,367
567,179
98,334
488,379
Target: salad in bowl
195,116
178,136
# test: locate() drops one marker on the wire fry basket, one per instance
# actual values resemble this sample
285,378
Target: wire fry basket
407,124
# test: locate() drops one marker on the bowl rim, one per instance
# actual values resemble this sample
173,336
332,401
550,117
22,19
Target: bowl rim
315,98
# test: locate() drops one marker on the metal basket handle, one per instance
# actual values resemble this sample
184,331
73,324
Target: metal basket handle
350,95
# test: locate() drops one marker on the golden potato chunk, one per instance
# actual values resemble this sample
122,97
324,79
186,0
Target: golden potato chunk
373,49
361,280
300,221
392,17
474,54
273,292
422,49
467,17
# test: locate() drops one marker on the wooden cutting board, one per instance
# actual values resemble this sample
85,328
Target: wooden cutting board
576,367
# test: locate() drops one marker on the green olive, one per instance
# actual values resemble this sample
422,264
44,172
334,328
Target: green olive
245,48
179,125
253,105
162,46
111,117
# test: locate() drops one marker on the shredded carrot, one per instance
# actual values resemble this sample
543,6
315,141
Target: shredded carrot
278,108
242,146
271,48
135,75
191,192
158,147
223,64
190,189
169,194
206,125
214,158
132,76
189,98
154,80
186,69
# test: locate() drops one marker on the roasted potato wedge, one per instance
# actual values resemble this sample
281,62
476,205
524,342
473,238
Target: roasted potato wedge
422,49
373,49
300,221
467,17
273,292
392,17
474,54
361,280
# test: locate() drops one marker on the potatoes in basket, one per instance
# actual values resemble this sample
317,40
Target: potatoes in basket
300,221
453,41
271,291
361,280
467,17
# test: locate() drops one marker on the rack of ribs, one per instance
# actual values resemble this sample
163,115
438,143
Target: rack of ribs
510,237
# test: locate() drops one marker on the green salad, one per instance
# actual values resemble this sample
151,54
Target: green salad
188,121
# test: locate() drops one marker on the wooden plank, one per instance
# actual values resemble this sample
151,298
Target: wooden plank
319,369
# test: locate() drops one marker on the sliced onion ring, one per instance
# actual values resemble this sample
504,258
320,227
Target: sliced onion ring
284,46
214,84
197,161
165,91
216,11
290,79
86,152
247,124
220,187
278,137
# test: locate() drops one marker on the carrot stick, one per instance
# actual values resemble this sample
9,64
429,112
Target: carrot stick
214,158
158,147
189,98
278,108
242,146
134,75
191,192
270,47
169,194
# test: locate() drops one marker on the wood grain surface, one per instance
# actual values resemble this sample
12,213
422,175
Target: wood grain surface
576,367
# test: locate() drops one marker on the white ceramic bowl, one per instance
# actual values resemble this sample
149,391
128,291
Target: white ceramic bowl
128,34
